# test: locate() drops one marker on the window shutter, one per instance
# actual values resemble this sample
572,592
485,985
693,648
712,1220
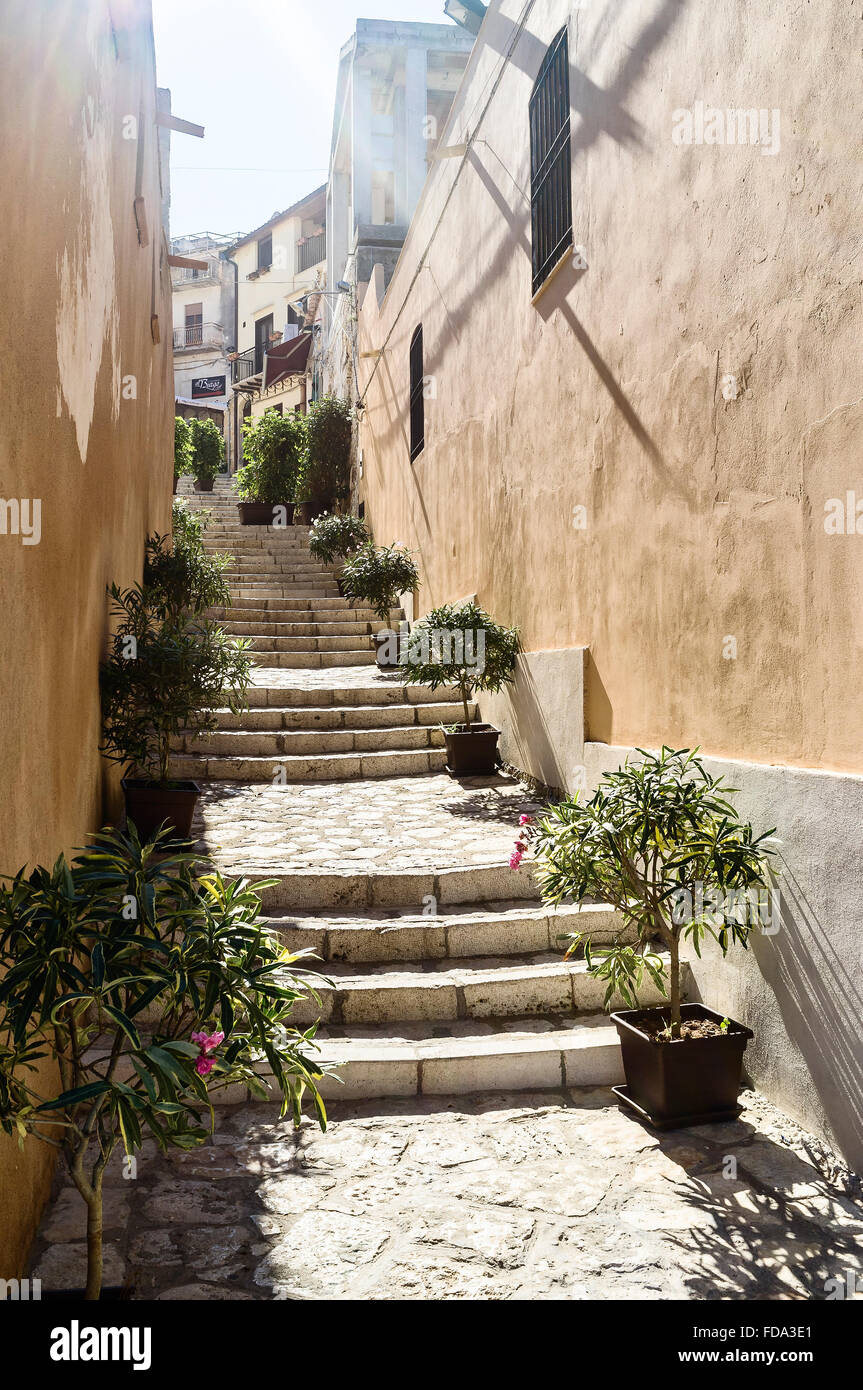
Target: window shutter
550,162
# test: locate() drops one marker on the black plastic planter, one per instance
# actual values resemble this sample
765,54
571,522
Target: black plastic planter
384,641
148,805
684,1082
204,485
262,513
473,751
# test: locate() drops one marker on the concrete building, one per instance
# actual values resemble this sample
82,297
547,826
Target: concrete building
204,319
632,344
86,451
278,267
396,84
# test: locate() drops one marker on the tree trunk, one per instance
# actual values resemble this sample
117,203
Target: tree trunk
674,985
464,702
94,1243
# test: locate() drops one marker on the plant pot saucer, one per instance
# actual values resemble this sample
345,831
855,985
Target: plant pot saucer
677,1121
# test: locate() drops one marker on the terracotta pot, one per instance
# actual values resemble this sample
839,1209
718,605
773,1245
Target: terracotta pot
148,805
473,751
687,1081
261,513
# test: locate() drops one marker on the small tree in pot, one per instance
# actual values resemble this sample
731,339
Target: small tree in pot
660,841
378,575
166,674
461,645
325,475
182,449
208,453
153,988
179,575
275,446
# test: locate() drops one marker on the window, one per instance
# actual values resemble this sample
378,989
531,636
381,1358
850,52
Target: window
550,162
194,334
265,252
417,394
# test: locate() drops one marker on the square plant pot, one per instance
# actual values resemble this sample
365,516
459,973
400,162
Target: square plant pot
685,1081
148,805
473,751
204,485
261,513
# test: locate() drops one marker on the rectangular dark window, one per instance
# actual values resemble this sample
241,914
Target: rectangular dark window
265,252
418,425
550,162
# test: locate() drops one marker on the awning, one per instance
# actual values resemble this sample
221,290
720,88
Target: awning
287,359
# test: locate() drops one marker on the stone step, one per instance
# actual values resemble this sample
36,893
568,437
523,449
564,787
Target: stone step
385,693
313,661
443,992
239,745
340,643
352,890
330,767
283,591
268,565
511,927
331,608
507,1055
309,718
261,628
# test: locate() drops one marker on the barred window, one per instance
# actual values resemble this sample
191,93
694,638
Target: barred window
417,402
550,162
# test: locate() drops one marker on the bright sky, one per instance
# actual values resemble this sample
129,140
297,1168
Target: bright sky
260,76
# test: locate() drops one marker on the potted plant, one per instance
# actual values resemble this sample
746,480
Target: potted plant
274,445
461,645
325,474
154,986
378,576
660,841
208,453
169,667
182,449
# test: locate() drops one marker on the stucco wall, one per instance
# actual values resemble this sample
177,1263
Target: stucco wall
591,473
75,316
703,517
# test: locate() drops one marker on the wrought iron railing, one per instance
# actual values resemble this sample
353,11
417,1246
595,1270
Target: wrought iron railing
195,335
312,251
243,365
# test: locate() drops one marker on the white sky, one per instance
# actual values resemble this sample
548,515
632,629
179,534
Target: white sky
260,76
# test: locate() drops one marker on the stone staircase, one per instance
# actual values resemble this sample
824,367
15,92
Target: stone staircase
445,973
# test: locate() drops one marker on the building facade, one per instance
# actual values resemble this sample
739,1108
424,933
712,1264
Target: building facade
280,270
396,84
204,321
86,455
627,317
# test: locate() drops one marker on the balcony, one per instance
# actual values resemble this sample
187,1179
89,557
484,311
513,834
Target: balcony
197,335
312,252
245,364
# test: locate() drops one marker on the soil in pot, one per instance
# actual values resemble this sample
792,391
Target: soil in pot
148,804
694,1079
263,513
472,751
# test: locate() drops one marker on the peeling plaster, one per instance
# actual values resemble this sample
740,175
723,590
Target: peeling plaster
87,312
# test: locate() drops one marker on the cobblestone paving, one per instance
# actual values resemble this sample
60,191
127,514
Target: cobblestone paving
332,677
525,1196
395,823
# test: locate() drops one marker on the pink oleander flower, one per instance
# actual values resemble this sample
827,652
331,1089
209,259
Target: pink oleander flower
204,1065
208,1042
515,858
525,820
